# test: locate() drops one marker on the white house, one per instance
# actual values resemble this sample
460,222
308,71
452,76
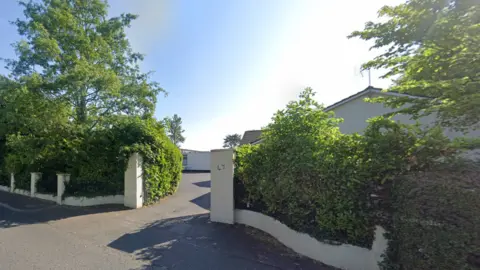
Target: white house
196,160
355,112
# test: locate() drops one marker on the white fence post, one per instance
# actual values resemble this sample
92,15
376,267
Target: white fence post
12,182
221,198
35,176
62,178
133,182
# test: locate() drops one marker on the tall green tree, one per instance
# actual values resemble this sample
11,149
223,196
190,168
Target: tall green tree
28,112
73,52
174,129
232,140
432,49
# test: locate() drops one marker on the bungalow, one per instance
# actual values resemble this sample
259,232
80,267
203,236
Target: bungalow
355,113
251,137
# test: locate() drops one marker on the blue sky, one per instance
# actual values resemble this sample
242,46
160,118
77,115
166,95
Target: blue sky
228,65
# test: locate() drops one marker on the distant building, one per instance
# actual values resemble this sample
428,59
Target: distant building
251,137
355,113
194,160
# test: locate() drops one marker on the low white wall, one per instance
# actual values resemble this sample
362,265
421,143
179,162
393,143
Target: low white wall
84,201
21,192
132,197
48,197
72,201
342,256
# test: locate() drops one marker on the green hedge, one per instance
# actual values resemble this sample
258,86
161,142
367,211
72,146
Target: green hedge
435,220
96,160
22,180
4,175
4,179
305,174
316,180
48,182
162,160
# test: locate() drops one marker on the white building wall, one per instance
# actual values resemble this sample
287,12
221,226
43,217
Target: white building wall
356,113
197,161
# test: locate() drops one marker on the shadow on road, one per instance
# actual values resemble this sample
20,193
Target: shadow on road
204,184
16,210
202,201
193,242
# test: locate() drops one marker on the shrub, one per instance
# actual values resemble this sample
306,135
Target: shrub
305,174
96,160
316,180
4,179
435,220
162,160
48,182
4,175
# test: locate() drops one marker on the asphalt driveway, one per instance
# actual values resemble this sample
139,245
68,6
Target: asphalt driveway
173,234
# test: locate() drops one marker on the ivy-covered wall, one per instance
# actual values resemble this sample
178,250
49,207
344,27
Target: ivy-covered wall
96,160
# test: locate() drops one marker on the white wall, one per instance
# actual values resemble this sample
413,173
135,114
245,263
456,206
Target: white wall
198,161
339,255
343,256
356,112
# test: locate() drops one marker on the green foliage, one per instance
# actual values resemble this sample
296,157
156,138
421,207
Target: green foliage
435,220
432,47
22,180
72,52
4,179
232,140
76,102
162,160
48,182
97,160
466,143
392,148
304,173
313,178
4,175
174,129
28,112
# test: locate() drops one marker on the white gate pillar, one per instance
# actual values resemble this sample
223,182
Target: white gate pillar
221,198
62,179
12,182
133,182
35,177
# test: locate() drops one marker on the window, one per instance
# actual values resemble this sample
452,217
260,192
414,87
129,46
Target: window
185,160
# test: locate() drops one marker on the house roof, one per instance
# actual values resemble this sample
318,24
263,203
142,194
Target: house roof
185,151
366,91
250,136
